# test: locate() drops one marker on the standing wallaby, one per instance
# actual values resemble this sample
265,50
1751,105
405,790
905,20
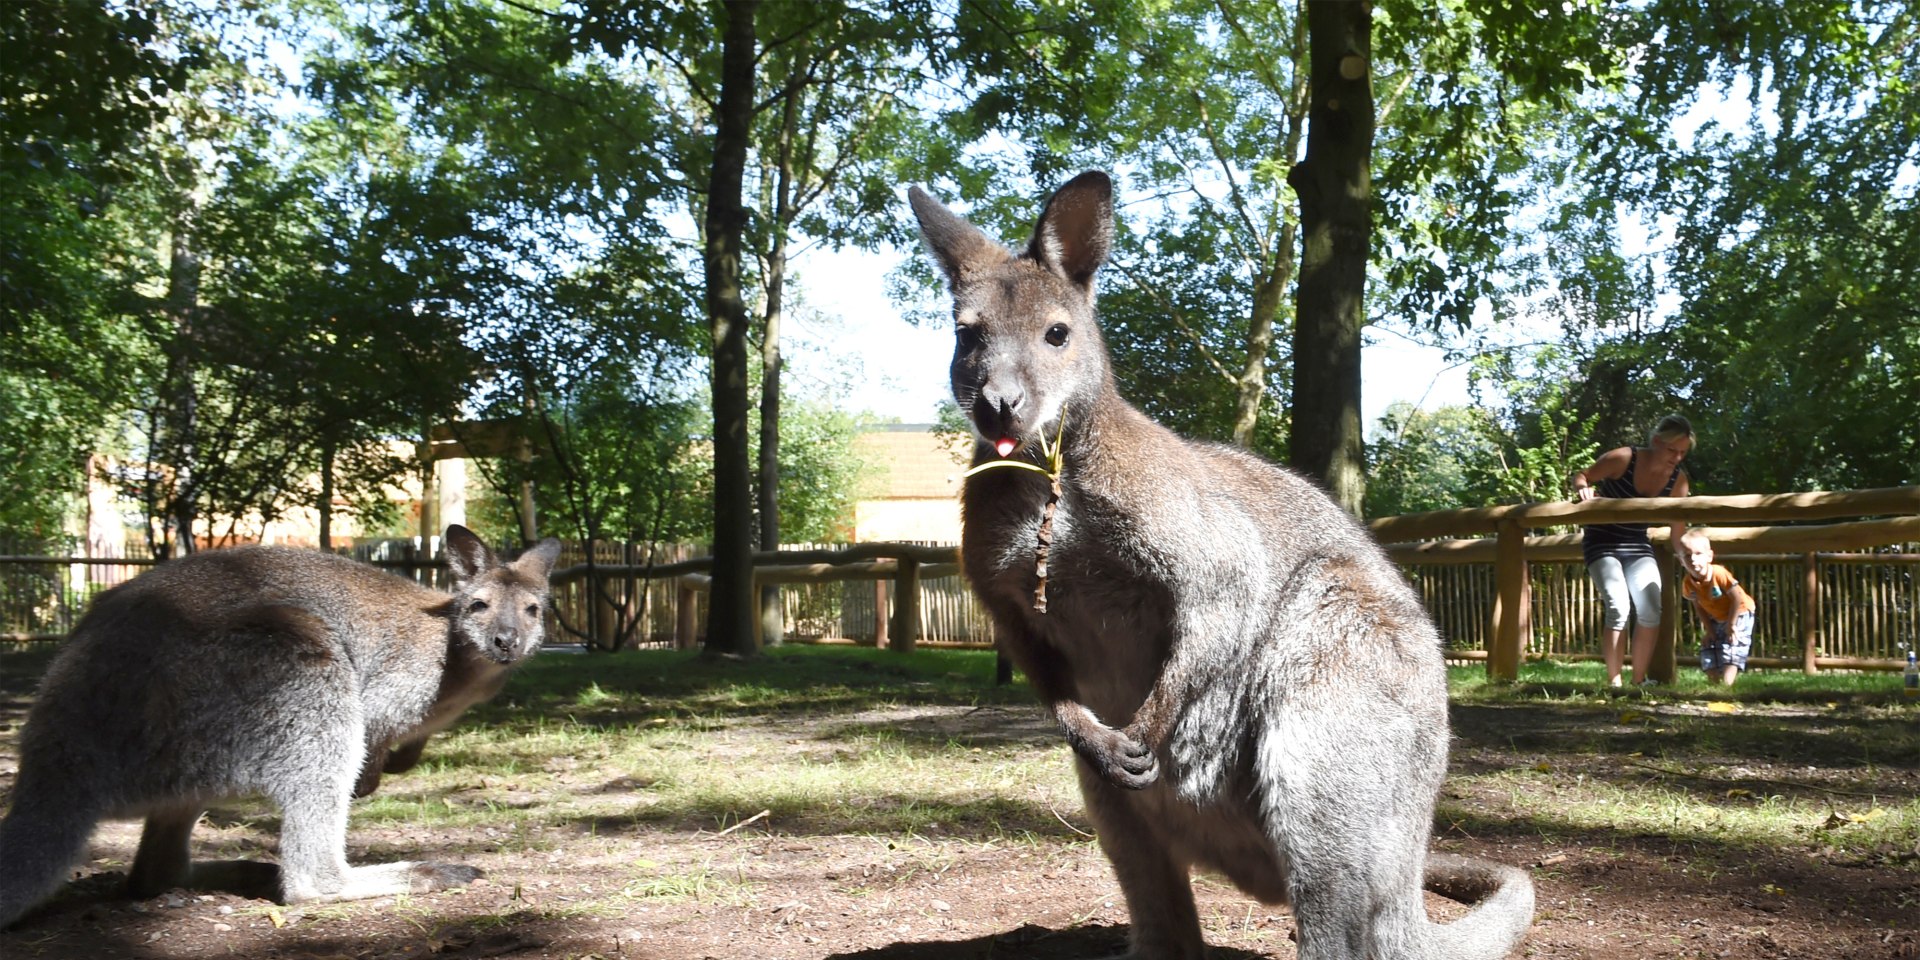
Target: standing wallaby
257,670
1247,681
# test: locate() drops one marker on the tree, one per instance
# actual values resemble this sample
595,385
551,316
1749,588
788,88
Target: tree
835,125
1774,317
1421,460
81,85
1334,183
730,607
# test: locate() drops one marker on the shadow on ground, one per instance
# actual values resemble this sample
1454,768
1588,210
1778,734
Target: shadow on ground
1027,943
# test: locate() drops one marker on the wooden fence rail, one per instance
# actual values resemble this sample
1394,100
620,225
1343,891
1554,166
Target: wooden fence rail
1824,601
1512,553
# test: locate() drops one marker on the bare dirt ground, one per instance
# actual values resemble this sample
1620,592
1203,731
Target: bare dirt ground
769,891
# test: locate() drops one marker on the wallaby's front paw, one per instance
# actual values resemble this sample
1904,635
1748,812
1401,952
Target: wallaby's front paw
428,877
1120,759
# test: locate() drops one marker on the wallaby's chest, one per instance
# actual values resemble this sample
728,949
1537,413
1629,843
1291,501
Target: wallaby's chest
1107,609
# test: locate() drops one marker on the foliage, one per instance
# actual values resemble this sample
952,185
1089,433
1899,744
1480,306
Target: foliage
1776,143
1443,459
83,83
821,474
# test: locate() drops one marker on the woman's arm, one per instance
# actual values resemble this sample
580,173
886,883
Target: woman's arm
1611,464
1680,489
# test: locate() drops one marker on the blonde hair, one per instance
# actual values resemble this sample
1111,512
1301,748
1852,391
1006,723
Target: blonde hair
1671,427
1696,537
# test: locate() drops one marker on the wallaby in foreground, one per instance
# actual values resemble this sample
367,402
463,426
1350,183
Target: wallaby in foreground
1249,684
257,670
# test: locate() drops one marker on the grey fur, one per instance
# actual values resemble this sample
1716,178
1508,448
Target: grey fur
1276,692
257,670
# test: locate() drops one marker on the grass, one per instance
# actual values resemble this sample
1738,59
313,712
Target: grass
819,738
1827,765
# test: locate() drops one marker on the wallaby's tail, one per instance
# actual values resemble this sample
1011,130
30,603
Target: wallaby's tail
39,841
1504,898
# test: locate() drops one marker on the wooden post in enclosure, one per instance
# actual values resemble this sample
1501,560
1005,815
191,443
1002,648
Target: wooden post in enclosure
1512,620
1810,615
686,611
605,619
905,631
880,614
1665,663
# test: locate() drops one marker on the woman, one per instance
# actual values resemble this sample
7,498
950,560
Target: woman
1619,556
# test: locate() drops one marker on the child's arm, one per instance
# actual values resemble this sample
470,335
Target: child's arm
1700,611
1742,600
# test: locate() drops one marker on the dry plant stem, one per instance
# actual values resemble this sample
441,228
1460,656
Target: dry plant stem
1044,542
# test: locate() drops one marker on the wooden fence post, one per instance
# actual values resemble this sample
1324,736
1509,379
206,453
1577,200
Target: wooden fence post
685,617
606,621
906,608
1810,615
1665,665
1512,621
880,614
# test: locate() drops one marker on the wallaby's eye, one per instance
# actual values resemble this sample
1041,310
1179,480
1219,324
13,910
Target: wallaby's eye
1057,334
533,609
966,338
478,606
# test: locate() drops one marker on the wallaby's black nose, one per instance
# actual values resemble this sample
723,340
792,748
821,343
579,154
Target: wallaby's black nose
1005,404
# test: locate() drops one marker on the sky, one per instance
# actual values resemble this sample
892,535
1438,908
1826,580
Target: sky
851,341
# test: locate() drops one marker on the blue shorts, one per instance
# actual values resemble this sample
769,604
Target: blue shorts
1727,643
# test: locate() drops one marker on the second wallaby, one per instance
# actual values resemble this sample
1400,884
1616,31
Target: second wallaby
257,670
1249,684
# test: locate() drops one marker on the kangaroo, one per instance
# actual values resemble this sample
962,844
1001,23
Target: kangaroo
1248,684
257,670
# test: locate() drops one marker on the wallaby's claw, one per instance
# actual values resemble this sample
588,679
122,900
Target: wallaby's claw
428,877
1120,759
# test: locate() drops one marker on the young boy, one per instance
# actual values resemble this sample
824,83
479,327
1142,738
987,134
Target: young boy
1724,608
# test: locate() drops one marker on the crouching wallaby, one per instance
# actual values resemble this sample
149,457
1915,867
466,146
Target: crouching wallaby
257,670
1247,681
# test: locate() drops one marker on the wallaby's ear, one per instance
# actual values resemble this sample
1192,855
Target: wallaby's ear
959,247
467,554
538,560
1075,232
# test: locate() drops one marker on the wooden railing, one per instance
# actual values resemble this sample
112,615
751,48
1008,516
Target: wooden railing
1512,551
1841,605
615,596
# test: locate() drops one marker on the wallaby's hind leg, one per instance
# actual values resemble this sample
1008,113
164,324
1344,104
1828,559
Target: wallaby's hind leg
165,858
1354,834
1159,890
165,861
313,856
404,756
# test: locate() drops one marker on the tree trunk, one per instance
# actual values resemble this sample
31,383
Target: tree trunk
730,605
1271,288
1334,183
772,623
181,440
326,494
1253,376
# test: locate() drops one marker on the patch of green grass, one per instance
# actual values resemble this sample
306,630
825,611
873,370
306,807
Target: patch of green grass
810,735
644,684
1553,679
701,883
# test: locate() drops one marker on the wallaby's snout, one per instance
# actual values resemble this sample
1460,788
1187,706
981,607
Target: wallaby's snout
996,413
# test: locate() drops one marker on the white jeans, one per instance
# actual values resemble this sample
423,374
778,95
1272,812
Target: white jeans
1634,582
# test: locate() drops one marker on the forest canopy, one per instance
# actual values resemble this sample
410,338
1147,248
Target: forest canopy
243,245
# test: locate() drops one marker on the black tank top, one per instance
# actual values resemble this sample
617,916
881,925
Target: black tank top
1622,540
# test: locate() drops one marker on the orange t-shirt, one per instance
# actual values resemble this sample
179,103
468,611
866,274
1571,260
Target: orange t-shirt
1716,595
